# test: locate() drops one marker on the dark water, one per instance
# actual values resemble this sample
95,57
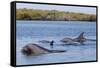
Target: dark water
34,31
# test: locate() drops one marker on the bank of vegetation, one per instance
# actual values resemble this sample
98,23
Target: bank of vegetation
52,15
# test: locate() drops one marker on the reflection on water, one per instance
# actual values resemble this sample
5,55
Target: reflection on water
34,31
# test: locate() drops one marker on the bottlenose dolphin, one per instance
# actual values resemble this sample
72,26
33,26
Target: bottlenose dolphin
80,39
34,49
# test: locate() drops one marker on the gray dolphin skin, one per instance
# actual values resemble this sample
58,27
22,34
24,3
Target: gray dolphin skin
80,39
34,49
45,41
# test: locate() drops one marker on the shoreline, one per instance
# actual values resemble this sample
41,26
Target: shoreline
42,21
55,20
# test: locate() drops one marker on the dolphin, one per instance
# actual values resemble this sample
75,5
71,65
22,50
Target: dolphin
80,39
34,49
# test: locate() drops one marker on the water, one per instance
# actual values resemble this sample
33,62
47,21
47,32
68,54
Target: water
34,31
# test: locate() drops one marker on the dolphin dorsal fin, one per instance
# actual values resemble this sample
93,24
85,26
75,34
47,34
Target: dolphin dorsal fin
81,36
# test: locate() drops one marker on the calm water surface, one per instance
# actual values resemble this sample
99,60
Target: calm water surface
34,31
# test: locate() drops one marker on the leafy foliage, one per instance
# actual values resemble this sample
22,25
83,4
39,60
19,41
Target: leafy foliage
52,15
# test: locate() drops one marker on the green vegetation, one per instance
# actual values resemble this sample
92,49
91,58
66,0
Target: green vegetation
52,15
